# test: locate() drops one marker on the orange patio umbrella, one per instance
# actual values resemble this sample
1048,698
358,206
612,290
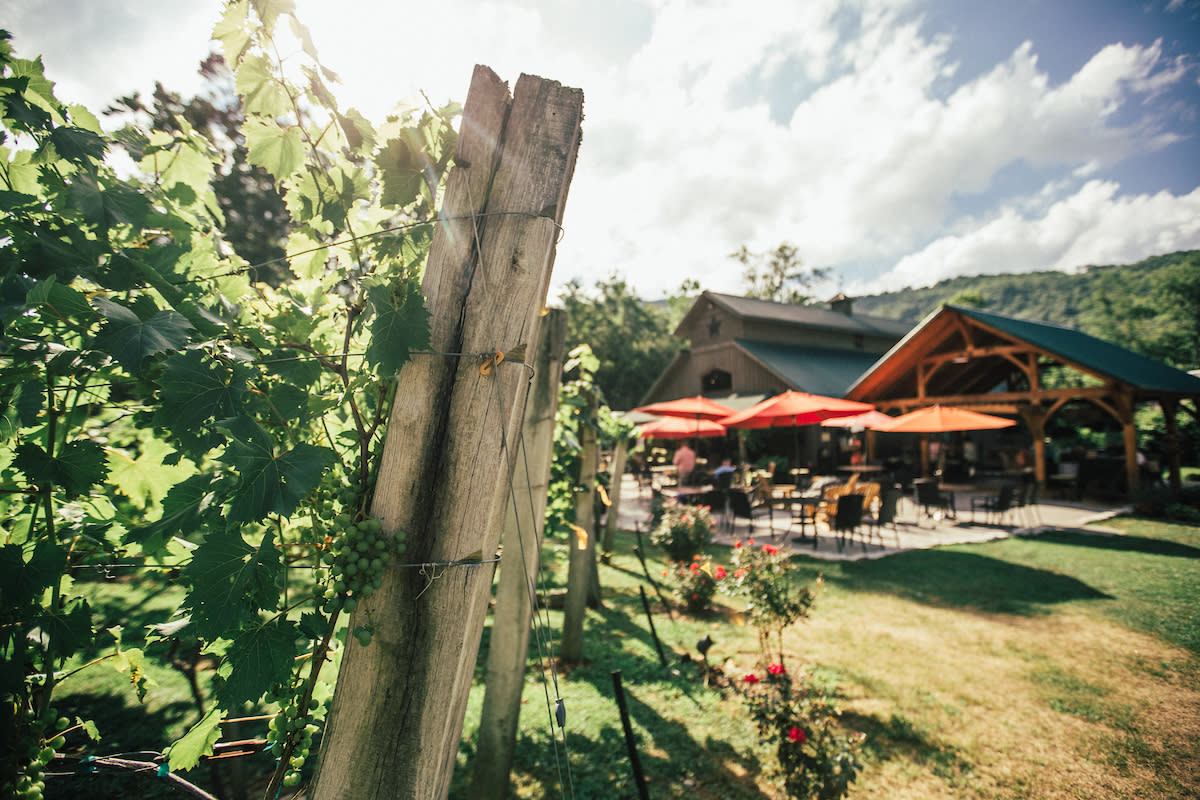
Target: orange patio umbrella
679,428
941,419
792,409
698,407
871,420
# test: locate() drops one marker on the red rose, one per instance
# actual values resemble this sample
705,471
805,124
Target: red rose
750,677
776,669
737,544
719,573
770,549
797,735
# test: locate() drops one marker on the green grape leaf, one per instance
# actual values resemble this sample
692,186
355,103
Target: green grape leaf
233,32
183,511
269,10
146,478
401,325
195,388
83,118
21,582
62,301
280,151
261,657
291,402
77,145
66,629
269,483
131,340
196,743
77,467
30,402
357,128
313,626
401,165
227,575
261,92
308,255
115,205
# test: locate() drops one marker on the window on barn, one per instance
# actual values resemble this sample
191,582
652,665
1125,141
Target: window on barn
718,380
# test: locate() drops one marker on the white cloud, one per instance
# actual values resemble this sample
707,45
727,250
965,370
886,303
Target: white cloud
839,126
1093,226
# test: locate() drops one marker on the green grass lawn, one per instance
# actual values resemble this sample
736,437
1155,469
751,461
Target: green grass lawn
1064,665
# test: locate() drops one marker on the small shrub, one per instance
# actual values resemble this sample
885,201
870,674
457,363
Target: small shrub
683,531
816,759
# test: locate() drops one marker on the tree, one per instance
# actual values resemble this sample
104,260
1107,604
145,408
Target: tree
632,339
779,275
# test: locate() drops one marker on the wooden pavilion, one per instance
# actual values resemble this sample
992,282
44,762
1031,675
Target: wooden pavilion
1002,365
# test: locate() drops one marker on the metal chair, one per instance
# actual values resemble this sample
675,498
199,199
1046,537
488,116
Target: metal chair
740,506
930,496
998,507
889,502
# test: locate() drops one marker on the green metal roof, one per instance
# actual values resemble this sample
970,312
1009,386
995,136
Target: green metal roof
1098,355
811,369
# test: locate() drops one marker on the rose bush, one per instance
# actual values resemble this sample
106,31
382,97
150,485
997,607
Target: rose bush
798,718
775,599
695,584
683,531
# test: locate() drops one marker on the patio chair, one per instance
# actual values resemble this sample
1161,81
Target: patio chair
997,507
848,518
889,502
930,496
743,506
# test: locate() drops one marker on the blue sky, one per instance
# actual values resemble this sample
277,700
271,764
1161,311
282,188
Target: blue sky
899,142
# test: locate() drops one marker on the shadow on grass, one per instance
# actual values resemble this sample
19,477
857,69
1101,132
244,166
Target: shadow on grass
961,580
1134,544
899,739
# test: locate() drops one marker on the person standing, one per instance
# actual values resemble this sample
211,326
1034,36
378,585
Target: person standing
685,463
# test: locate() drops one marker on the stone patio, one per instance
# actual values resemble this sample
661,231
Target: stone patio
913,531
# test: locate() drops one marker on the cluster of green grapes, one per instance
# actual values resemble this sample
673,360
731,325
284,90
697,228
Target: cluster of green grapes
292,722
40,751
356,557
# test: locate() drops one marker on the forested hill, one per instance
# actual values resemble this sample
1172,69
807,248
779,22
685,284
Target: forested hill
1081,299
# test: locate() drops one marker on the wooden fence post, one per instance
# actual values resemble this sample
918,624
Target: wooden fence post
582,564
517,586
616,476
397,714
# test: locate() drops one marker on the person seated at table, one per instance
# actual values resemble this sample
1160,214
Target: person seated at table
685,463
723,475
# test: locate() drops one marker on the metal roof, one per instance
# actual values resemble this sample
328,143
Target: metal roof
1102,357
811,369
806,315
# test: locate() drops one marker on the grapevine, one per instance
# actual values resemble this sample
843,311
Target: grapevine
160,406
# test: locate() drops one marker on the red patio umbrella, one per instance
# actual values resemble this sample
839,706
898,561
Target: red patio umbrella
794,409
697,407
941,419
679,428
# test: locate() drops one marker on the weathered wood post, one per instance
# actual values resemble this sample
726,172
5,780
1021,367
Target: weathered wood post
582,564
397,714
522,545
616,477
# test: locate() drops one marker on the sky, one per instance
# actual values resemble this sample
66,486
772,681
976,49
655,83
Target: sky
895,142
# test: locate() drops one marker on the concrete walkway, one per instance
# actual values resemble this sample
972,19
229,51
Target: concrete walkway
913,531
